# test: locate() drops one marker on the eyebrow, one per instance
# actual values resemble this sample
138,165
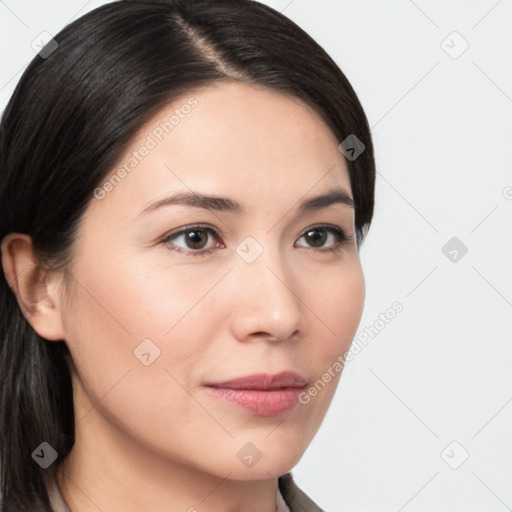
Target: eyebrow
337,195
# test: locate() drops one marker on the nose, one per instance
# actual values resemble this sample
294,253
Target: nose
266,303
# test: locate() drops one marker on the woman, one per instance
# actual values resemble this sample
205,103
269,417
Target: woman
185,187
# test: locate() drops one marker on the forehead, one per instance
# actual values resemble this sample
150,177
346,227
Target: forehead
233,139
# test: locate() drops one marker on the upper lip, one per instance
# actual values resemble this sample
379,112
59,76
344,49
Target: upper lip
263,381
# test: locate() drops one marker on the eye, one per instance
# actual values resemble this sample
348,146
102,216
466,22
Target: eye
317,236
195,239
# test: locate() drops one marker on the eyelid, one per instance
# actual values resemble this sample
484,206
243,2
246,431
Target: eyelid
188,227
333,227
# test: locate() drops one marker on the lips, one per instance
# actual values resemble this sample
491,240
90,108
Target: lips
261,394
263,381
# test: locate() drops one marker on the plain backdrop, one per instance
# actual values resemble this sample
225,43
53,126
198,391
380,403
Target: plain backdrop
422,417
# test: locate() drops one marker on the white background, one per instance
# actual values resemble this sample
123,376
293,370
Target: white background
440,371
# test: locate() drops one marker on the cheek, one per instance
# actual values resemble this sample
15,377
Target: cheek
119,313
125,313
338,305
132,299
339,301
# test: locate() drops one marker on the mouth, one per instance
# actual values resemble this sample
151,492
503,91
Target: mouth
261,394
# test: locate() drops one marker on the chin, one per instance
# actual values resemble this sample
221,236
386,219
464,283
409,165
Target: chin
261,471
253,463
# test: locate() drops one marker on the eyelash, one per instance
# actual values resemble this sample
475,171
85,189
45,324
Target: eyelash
341,237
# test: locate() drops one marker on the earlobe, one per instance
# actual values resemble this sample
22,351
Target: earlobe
36,289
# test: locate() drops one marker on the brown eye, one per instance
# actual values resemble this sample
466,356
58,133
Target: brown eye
193,240
196,238
317,236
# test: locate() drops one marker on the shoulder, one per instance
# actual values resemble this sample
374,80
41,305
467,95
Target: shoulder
296,499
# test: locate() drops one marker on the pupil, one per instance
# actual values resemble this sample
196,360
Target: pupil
194,238
318,240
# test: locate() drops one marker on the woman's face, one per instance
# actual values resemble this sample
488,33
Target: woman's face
158,313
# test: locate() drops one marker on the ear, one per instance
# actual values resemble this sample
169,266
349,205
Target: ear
37,290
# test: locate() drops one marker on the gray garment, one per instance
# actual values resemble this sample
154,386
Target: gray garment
295,499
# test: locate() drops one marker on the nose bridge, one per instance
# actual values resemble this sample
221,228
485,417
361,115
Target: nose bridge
261,260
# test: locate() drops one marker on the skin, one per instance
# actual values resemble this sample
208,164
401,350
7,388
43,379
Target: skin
152,437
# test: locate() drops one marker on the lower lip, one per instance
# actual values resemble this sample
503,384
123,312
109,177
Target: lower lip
260,402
